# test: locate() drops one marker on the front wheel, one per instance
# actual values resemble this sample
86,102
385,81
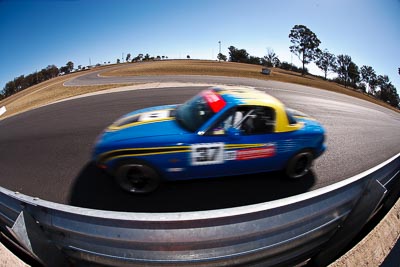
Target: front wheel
299,165
137,178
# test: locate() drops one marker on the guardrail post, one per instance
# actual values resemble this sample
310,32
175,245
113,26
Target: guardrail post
355,221
33,239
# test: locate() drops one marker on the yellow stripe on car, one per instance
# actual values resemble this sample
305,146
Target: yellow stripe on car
117,128
150,151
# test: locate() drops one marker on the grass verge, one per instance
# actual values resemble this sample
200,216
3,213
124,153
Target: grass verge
233,69
46,93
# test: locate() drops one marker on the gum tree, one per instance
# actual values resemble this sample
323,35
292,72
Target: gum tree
368,76
305,44
238,55
354,74
271,59
343,68
326,62
221,57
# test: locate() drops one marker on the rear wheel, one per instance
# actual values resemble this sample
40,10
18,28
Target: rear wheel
137,177
299,165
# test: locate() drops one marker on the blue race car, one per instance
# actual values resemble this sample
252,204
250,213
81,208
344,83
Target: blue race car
219,132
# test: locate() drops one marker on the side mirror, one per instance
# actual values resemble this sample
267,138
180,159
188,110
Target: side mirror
233,132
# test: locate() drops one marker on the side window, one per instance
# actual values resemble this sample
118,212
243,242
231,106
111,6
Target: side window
227,121
247,119
258,120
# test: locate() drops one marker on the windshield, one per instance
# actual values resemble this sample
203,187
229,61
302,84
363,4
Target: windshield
198,110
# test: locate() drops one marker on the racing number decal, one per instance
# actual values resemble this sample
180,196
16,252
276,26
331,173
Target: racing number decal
154,115
209,153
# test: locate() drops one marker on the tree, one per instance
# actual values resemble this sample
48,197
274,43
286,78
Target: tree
22,82
70,66
254,60
221,57
368,76
146,57
238,55
343,65
305,44
373,84
285,65
118,61
128,57
139,57
354,74
271,59
326,62
9,89
387,92
64,70
47,73
19,83
53,71
383,80
188,56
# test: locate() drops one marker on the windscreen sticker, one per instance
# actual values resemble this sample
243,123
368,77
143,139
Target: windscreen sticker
215,101
207,153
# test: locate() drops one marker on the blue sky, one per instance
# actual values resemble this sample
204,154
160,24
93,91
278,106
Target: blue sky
34,34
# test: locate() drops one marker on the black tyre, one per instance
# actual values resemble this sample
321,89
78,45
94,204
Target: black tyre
137,178
299,165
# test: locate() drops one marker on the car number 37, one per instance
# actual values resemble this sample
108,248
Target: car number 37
206,154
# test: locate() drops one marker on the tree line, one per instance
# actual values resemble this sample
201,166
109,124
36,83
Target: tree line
22,82
305,45
141,57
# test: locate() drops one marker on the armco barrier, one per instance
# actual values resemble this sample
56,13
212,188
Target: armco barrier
312,226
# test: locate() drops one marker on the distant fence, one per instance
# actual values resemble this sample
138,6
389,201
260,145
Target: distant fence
315,225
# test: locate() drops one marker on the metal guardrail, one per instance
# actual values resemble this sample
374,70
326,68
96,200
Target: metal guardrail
314,225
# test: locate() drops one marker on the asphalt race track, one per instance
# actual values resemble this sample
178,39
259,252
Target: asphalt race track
46,152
